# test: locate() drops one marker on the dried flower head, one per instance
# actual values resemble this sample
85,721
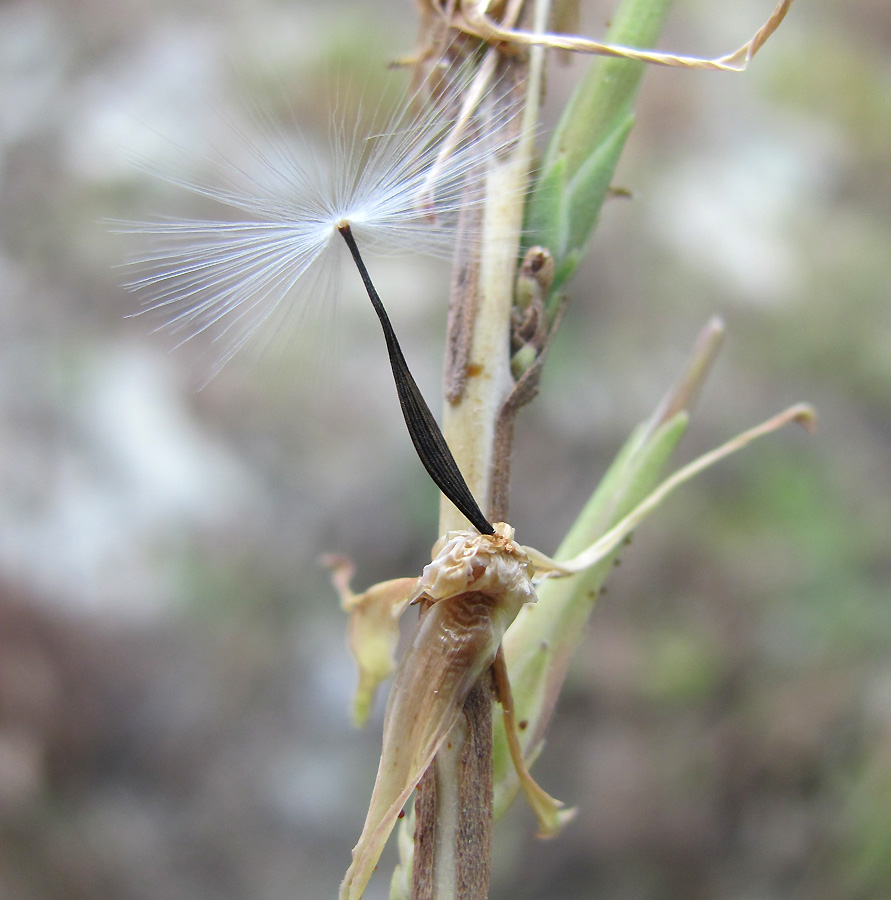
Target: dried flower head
477,584
464,561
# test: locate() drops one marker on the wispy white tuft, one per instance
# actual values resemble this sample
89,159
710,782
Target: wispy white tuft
398,189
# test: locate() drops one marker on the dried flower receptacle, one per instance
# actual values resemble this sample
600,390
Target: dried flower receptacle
476,585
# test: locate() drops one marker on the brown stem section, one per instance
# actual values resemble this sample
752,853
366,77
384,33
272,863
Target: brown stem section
425,838
525,390
476,793
459,327
475,802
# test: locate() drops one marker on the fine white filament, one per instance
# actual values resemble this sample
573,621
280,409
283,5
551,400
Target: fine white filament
397,188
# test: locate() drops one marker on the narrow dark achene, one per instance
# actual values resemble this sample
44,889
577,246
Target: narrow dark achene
429,442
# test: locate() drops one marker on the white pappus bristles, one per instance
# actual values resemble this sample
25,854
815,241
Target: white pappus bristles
398,189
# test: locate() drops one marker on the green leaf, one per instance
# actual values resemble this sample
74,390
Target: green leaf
583,153
541,642
568,207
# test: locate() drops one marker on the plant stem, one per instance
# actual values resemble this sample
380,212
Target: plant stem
469,420
454,803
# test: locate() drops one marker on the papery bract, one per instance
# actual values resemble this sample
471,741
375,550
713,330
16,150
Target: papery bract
477,585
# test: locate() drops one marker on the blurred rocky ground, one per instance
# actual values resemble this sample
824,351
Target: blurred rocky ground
174,684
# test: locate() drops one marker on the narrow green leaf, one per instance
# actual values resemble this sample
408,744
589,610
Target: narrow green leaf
570,205
544,637
581,158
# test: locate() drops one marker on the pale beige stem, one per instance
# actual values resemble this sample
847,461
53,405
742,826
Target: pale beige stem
469,424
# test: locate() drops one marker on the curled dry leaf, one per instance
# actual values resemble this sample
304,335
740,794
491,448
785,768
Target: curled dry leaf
373,630
472,17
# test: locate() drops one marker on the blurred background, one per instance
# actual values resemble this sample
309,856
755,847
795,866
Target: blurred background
174,682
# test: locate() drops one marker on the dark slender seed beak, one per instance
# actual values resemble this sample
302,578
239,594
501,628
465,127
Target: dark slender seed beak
425,433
